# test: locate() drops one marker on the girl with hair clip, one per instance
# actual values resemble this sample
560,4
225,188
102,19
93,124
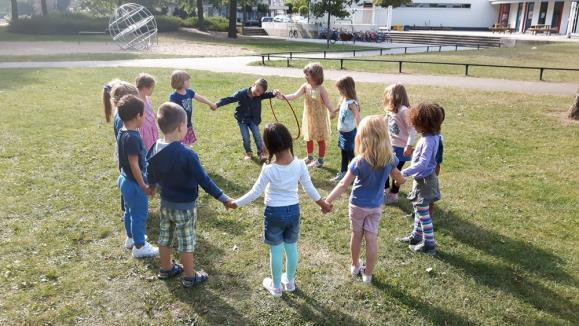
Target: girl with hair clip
396,105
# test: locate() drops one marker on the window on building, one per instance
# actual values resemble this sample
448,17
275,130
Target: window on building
438,5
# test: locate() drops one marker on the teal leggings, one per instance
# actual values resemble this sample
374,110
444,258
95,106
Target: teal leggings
276,263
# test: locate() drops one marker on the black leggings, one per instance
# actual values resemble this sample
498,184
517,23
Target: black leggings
394,189
347,156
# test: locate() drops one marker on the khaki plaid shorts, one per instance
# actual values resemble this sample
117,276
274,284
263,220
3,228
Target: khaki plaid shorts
179,223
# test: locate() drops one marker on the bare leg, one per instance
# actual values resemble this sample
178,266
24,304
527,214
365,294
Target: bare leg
187,262
371,251
355,243
165,258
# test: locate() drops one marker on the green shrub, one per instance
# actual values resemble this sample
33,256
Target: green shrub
214,23
168,23
58,24
74,23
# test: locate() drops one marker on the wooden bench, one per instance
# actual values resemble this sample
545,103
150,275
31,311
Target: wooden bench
81,33
501,29
536,29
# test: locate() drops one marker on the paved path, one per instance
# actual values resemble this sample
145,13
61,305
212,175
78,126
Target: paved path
239,65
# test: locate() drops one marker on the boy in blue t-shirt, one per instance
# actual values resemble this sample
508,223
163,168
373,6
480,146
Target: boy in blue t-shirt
131,182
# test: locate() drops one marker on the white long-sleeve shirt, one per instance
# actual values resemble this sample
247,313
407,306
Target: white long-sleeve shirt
280,183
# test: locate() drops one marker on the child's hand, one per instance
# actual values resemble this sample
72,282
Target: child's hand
230,204
149,191
333,114
279,95
408,150
400,181
326,207
213,106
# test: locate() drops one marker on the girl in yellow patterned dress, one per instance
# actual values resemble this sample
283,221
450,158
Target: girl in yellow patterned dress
318,111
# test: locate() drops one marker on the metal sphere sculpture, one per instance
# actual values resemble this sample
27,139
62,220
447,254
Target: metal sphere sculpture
133,27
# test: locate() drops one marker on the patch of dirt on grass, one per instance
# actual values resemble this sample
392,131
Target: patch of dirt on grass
562,116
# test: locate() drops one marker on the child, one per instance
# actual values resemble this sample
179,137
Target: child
401,132
281,222
373,163
426,118
348,120
146,84
184,96
176,168
132,181
439,158
248,114
112,93
315,121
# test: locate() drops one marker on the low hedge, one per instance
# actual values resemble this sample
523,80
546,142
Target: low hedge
74,23
213,23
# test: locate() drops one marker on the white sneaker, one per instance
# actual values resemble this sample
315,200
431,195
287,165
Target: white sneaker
366,279
357,270
268,285
129,243
390,198
315,164
147,250
289,285
339,176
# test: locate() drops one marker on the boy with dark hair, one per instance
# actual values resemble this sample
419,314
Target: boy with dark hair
176,168
131,182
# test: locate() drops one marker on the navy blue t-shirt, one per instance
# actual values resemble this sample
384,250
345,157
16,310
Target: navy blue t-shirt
130,143
186,102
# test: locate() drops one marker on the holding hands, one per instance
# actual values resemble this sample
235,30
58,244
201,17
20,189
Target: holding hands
213,106
326,207
230,204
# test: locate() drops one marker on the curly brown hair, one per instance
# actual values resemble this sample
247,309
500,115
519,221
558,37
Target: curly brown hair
426,117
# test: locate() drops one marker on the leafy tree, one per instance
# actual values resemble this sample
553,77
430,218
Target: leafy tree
290,7
393,3
303,11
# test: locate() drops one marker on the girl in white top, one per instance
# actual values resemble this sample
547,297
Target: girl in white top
281,224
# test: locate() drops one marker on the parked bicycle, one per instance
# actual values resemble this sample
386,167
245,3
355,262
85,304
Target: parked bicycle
293,32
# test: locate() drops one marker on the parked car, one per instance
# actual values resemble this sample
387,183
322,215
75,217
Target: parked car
281,19
252,23
266,19
300,19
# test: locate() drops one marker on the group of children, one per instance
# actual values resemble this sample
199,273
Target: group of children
373,149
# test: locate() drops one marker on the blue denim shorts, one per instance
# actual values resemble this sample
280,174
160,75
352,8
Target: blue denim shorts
281,224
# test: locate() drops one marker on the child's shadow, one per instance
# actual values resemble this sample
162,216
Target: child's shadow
312,310
525,257
203,300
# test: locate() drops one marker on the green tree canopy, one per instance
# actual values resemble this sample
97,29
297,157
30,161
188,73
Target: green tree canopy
393,3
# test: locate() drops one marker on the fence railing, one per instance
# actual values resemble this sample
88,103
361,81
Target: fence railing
428,47
466,66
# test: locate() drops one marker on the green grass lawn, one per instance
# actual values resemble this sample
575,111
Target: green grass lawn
506,227
560,55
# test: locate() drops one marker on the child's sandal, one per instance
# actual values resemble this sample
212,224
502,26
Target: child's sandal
199,277
174,271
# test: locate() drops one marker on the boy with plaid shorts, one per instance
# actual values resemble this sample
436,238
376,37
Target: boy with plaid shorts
176,168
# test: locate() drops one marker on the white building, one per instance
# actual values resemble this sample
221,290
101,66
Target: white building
473,14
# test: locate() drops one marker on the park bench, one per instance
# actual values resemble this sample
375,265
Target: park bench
501,29
83,33
536,29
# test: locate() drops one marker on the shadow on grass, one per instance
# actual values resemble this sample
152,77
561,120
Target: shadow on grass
205,302
312,310
437,315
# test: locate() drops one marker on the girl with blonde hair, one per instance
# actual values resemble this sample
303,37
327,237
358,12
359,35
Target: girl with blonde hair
373,163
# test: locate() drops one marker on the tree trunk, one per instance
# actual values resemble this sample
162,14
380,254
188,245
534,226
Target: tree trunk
244,17
200,19
14,17
328,36
232,32
44,7
574,109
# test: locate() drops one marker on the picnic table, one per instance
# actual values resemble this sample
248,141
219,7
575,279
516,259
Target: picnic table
501,29
541,28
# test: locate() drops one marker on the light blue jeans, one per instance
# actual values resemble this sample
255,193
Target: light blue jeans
136,209
244,128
